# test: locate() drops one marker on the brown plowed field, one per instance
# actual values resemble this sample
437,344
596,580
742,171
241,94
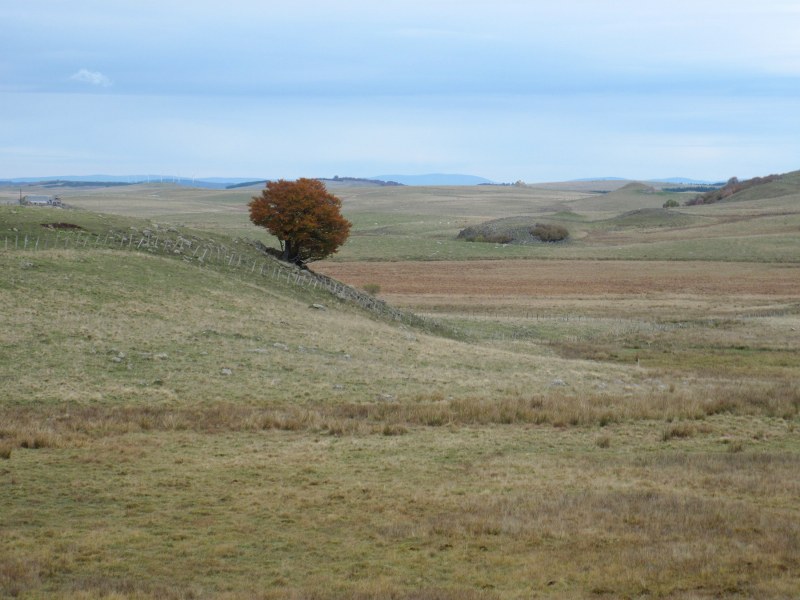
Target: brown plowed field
573,278
622,289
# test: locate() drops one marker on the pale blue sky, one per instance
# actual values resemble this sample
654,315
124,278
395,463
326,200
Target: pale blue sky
507,90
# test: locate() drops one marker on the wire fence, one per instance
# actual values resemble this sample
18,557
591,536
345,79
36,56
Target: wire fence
249,259
244,257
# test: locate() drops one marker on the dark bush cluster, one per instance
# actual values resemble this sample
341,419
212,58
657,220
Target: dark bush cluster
513,230
484,234
549,233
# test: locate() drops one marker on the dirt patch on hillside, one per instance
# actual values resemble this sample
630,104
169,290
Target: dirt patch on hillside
70,226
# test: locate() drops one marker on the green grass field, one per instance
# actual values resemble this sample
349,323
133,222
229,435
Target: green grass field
176,429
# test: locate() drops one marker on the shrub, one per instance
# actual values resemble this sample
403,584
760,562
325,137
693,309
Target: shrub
678,431
549,232
373,289
498,238
479,234
671,203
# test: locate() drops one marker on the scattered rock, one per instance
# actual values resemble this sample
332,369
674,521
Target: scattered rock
386,397
558,382
319,306
161,356
259,350
226,371
280,346
338,386
116,359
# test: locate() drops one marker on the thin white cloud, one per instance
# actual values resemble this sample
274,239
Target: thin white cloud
91,77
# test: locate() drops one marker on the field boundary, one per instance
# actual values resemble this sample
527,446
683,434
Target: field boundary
248,261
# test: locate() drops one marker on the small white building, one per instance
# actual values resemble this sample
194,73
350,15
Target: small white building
33,200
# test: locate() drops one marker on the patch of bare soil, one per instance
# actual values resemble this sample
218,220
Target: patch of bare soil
618,289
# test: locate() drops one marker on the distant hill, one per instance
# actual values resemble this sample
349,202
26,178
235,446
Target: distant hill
98,180
633,195
234,182
756,188
583,179
357,182
684,181
610,184
583,185
435,179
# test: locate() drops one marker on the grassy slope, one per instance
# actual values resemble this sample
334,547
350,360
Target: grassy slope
409,223
787,185
344,455
625,224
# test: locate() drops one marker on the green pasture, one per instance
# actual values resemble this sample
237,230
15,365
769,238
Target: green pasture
408,223
170,429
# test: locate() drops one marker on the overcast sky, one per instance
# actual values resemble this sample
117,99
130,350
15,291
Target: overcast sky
508,90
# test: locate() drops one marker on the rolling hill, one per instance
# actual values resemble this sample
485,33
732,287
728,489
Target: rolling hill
183,417
433,179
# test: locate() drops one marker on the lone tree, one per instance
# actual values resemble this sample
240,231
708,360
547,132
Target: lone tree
304,217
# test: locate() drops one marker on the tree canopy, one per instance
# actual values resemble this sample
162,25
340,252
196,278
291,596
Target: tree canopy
304,216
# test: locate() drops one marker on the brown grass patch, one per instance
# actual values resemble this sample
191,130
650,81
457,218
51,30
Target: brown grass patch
48,427
552,278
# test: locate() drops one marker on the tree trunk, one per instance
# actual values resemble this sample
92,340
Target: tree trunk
291,253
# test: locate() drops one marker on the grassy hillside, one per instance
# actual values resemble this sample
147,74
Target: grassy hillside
409,223
632,196
787,185
181,428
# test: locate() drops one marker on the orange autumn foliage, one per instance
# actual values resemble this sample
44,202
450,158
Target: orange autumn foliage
304,216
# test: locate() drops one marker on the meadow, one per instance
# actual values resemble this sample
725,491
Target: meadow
615,416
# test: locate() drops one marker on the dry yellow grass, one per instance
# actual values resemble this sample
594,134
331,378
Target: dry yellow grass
507,511
173,432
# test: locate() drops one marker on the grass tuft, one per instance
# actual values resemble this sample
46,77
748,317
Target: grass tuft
678,431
